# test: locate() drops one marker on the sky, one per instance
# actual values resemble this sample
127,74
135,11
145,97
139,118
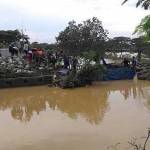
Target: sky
42,20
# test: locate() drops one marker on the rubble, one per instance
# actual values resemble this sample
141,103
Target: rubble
17,71
19,67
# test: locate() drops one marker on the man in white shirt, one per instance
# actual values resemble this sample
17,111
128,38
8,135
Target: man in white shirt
26,48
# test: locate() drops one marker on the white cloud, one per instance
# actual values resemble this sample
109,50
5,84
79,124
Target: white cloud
45,18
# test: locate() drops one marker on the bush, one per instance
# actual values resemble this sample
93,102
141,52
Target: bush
83,77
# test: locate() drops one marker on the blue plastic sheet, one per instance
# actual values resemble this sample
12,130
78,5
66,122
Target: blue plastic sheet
120,73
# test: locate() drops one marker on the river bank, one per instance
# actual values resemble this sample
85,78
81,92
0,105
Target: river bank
17,71
143,70
20,67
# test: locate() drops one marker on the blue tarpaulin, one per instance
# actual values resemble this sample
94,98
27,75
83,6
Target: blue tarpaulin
120,73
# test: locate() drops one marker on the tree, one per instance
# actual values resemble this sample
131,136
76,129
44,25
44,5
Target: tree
86,36
119,44
143,29
24,37
6,37
140,46
69,38
143,3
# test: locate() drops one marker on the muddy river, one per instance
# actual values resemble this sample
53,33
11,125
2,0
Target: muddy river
104,116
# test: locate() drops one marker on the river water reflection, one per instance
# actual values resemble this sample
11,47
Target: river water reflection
91,118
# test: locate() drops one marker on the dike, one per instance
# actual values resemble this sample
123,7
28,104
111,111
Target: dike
25,81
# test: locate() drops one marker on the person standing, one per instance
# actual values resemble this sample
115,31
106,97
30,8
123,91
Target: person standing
53,61
29,56
126,62
74,64
134,63
66,62
26,48
11,49
18,45
49,55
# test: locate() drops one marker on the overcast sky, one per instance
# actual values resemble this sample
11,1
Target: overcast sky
42,20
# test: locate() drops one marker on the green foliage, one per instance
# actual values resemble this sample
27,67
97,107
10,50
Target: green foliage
125,44
6,37
88,35
91,72
85,76
143,29
143,3
119,44
140,46
91,56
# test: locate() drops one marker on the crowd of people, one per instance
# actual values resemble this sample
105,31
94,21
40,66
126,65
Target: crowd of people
39,56
55,59
16,48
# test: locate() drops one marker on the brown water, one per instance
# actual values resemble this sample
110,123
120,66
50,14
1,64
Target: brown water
91,118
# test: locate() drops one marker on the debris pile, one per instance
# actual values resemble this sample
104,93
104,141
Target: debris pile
19,67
